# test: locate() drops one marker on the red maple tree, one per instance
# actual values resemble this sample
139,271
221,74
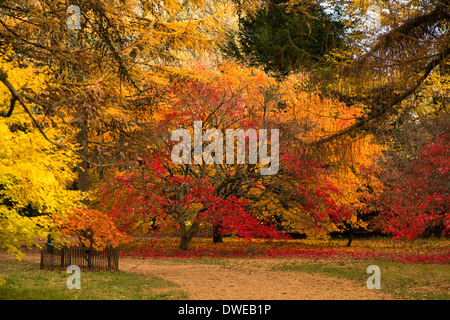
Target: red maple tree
227,197
417,199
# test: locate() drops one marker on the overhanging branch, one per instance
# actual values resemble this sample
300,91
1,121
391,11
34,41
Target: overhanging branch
384,103
17,96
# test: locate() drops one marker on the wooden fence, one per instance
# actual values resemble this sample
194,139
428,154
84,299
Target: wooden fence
86,259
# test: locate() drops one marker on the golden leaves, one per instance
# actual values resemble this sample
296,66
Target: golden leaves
34,175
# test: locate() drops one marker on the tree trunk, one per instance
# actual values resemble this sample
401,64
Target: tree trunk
83,173
217,233
184,242
350,239
187,235
83,134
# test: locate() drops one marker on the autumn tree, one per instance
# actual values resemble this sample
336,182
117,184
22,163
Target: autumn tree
94,229
35,176
193,194
302,190
119,59
415,201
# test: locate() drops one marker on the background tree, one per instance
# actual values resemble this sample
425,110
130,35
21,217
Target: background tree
388,66
416,200
285,38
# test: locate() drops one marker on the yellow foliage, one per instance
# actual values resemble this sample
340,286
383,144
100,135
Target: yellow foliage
34,175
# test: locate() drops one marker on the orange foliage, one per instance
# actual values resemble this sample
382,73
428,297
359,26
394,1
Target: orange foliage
94,229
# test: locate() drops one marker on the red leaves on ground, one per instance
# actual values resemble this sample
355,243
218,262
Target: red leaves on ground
258,249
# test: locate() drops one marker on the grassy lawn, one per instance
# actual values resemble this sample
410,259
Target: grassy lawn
25,281
403,281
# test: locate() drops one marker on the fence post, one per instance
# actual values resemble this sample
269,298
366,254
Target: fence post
116,258
108,256
50,245
62,256
42,259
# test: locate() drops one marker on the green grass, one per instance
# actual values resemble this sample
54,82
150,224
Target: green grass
25,281
402,281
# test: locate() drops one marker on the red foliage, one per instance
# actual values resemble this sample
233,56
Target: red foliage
191,194
418,199
150,192
318,194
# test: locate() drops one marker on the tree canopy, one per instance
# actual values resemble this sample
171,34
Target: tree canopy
89,108
285,38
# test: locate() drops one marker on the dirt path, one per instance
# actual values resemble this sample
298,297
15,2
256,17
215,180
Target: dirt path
250,279
243,279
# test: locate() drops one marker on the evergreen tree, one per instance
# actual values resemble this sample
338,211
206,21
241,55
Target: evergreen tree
285,38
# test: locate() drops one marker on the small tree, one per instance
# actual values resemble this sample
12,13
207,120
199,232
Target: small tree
95,230
149,192
416,200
